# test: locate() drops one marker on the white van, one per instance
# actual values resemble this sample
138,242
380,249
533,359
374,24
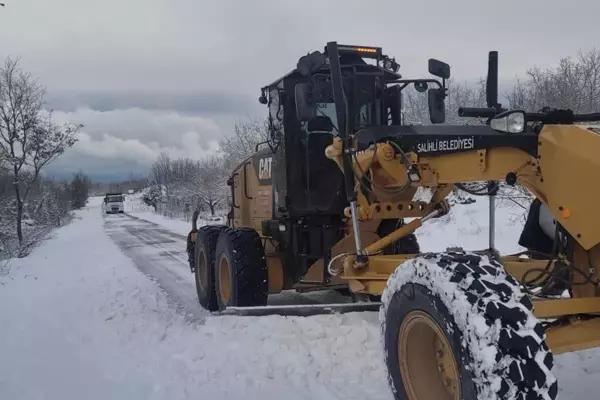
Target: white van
113,203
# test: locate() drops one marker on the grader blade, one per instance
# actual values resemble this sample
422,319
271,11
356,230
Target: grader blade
301,310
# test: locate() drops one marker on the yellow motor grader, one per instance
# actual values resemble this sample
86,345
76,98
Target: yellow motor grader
323,205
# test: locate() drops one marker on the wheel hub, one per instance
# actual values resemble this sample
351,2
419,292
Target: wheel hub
202,272
224,279
427,364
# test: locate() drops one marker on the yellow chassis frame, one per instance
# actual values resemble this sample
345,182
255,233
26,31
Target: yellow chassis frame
441,172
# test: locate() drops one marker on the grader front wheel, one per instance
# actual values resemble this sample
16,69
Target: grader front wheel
456,326
426,356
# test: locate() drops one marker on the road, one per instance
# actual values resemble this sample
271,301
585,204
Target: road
160,254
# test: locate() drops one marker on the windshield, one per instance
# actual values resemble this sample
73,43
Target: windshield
369,114
328,110
365,95
115,199
368,101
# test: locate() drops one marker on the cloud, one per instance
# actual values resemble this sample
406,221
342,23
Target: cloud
191,145
196,103
129,141
236,47
137,129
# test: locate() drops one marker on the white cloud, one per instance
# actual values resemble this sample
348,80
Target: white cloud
163,127
136,136
241,45
109,147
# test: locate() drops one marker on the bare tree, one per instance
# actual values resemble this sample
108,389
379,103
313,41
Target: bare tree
243,142
574,83
29,140
212,181
161,176
416,109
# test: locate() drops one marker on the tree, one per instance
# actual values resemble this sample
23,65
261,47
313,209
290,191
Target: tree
79,188
29,139
243,142
211,181
416,109
574,84
152,196
161,175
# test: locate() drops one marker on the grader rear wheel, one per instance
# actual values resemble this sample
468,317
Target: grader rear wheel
456,326
224,274
241,269
204,256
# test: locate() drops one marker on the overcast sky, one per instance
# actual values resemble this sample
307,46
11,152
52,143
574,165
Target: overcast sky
146,76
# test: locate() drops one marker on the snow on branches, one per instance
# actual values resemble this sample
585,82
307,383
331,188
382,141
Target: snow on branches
180,186
29,139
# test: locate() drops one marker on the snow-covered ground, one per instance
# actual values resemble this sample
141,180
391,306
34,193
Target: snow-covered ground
135,207
467,226
79,320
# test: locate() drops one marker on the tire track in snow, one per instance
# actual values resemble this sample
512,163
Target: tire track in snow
160,254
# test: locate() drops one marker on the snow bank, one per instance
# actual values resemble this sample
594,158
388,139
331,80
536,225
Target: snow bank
467,226
79,321
135,206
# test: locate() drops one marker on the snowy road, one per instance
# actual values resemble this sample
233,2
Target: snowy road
160,254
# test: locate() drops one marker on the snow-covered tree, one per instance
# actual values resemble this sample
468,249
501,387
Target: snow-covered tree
416,109
29,139
151,197
79,188
574,83
211,179
246,135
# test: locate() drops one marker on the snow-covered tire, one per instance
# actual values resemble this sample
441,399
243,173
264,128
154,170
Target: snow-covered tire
497,342
247,282
204,261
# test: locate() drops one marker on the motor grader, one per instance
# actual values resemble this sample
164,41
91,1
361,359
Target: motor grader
324,205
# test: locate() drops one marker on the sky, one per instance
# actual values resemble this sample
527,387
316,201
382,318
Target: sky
152,76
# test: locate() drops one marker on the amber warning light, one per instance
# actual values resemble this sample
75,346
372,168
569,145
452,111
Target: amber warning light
363,50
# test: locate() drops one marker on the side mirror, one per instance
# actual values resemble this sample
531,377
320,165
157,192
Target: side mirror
437,106
320,123
439,68
394,103
305,110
